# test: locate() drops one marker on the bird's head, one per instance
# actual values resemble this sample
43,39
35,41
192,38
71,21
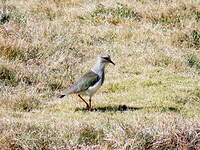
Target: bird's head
105,59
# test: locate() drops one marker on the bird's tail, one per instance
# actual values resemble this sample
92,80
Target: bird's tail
64,93
61,95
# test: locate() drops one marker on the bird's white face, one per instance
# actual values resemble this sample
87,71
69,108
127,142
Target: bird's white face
105,59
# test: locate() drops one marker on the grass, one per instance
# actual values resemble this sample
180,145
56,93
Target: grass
8,76
149,100
112,15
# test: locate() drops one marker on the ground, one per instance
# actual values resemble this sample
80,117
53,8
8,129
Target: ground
150,99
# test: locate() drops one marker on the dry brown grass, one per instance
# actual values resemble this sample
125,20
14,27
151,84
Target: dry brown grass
150,99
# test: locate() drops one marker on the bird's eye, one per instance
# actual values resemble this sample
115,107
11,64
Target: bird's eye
106,58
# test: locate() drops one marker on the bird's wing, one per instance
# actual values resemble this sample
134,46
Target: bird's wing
87,80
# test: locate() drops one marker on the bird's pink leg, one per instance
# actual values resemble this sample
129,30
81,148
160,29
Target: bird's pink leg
88,106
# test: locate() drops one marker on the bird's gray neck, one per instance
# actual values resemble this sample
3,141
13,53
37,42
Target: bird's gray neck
98,68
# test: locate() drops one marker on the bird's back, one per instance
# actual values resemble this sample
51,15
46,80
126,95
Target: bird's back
87,80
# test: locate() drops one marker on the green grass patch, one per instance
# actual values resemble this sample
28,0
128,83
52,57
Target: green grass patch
151,83
121,11
161,60
196,14
116,87
150,99
11,53
190,40
193,61
195,39
113,14
90,136
170,19
26,104
8,76
34,136
55,85
4,17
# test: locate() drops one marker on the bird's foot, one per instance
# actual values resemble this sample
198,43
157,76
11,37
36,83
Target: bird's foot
88,108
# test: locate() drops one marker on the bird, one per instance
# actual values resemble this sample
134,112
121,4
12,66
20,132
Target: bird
90,82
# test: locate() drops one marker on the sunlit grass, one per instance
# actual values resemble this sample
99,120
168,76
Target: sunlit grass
150,98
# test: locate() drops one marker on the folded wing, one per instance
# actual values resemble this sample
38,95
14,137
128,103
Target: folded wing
87,80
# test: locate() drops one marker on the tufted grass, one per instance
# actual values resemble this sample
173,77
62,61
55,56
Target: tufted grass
150,99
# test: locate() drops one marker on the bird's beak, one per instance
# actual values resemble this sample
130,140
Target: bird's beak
111,62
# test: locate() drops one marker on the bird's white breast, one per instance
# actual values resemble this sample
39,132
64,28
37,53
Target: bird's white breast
92,89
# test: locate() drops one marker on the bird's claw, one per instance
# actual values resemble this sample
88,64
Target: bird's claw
88,108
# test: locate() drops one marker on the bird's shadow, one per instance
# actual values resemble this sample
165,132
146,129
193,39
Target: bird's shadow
122,108
111,108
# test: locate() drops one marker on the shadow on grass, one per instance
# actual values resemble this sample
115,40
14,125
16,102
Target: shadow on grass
122,108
